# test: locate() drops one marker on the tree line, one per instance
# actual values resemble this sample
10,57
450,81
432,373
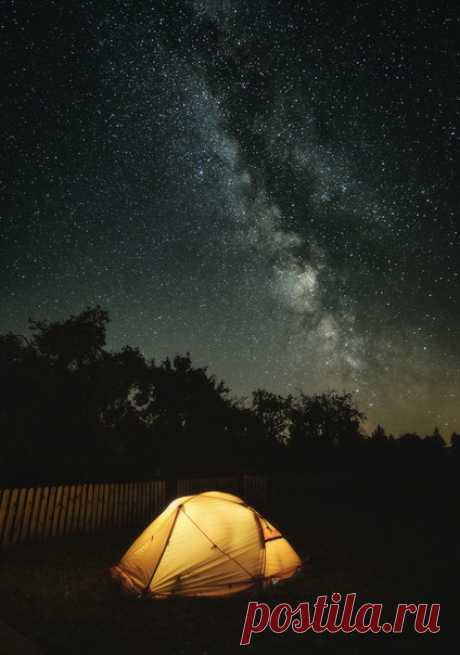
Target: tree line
73,411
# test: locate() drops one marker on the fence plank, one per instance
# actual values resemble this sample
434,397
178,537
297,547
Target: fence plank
108,506
100,495
151,511
80,525
10,516
42,515
35,514
136,503
120,506
139,502
125,504
143,503
115,494
129,504
155,498
132,506
103,505
151,501
105,500
51,507
70,510
105,489
4,508
100,506
65,509
76,509
144,500
94,517
81,503
133,503
89,508
148,501
93,521
17,523
27,515
113,505
60,507
65,502
57,511
113,512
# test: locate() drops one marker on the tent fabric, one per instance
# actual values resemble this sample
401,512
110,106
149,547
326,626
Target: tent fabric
208,544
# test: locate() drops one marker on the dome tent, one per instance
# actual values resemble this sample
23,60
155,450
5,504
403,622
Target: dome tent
208,544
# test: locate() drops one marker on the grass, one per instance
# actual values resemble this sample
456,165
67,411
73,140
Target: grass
387,545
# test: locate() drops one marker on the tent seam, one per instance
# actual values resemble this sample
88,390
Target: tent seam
179,508
233,559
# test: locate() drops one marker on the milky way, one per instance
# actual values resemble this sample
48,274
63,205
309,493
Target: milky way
268,185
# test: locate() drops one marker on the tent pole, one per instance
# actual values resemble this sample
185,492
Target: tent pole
144,593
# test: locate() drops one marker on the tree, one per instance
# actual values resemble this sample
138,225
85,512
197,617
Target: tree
274,413
77,341
379,436
434,443
66,400
455,444
323,424
188,411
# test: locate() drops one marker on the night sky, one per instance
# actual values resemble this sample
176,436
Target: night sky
271,186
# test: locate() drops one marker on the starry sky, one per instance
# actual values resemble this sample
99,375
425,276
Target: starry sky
270,185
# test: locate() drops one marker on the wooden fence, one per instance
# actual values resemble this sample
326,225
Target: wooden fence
40,513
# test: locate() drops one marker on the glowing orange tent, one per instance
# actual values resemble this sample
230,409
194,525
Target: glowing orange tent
209,544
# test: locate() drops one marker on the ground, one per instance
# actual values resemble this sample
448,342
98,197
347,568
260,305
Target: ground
387,541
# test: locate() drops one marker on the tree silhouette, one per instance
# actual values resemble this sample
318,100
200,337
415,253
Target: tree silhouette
274,412
71,410
75,342
63,391
379,436
455,444
188,411
323,424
